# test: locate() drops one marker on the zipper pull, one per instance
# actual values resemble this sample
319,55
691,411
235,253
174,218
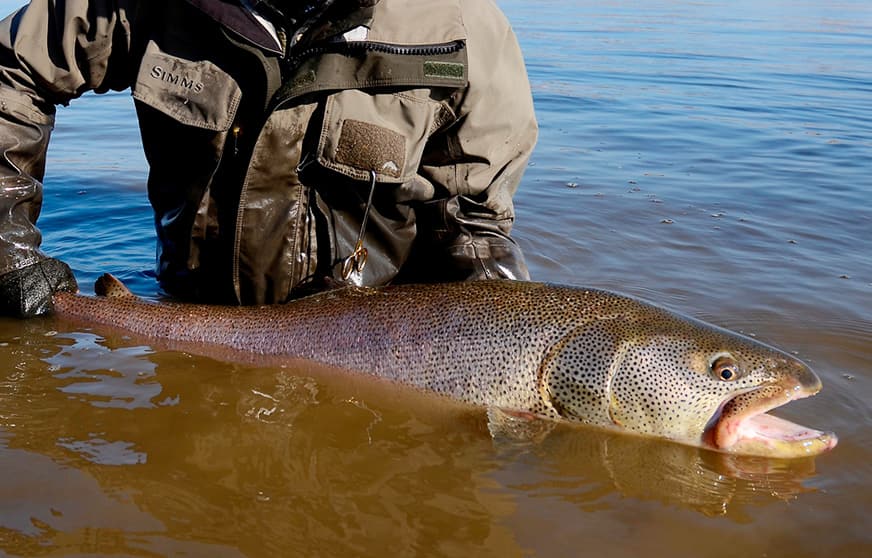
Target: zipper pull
235,132
356,261
306,160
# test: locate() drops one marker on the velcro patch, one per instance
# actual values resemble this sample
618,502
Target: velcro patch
369,147
451,70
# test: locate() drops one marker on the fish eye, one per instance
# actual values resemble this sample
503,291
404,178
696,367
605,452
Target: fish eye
725,368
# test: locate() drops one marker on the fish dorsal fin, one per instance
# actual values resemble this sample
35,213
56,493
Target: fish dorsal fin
111,287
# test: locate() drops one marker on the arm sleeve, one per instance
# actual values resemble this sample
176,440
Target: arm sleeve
484,157
51,52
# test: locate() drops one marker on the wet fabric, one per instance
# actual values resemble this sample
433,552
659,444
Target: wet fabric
261,155
28,291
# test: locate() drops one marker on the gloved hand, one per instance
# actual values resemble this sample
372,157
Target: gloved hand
27,292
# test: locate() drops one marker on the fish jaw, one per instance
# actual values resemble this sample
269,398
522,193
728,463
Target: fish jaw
744,427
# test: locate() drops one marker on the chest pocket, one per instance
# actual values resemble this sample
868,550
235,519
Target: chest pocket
384,133
194,93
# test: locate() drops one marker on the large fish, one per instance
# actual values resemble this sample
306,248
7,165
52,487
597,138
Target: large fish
528,350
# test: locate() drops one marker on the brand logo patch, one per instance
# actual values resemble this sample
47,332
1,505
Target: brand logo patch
176,79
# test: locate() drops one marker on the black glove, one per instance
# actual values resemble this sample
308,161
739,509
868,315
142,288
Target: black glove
27,292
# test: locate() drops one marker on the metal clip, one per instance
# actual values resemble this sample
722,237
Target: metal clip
357,260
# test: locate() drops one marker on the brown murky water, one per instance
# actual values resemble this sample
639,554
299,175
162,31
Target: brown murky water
713,158
110,448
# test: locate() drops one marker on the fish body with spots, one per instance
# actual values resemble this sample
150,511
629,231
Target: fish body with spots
529,349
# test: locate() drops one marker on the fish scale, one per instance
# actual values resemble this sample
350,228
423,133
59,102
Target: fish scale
557,352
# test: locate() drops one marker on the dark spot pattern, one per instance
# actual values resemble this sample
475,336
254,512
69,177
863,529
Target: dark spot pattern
562,352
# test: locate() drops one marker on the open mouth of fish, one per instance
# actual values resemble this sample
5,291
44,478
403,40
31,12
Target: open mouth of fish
742,425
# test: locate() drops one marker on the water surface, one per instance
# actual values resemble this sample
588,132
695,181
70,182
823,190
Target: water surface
713,157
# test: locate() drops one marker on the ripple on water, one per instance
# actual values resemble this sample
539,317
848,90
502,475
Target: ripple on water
103,376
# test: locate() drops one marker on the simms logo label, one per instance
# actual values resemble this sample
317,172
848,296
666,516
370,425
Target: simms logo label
157,72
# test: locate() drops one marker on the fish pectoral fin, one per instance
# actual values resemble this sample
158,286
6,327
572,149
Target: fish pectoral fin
111,287
517,427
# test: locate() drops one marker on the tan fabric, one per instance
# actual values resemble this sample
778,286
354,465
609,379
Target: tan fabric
412,22
260,167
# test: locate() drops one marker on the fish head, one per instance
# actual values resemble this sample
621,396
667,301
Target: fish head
656,373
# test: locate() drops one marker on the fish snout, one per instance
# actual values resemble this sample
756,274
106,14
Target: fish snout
808,380
795,376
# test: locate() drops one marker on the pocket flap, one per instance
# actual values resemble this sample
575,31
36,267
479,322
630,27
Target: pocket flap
195,93
382,133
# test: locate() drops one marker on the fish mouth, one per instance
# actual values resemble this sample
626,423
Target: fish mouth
743,425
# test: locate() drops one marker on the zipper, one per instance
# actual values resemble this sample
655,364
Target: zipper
417,50
291,62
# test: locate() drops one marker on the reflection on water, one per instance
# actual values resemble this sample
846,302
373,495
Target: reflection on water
102,376
258,459
708,482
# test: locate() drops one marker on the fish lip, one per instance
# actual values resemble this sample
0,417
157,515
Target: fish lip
725,429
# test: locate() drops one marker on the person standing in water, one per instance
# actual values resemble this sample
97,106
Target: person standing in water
291,145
